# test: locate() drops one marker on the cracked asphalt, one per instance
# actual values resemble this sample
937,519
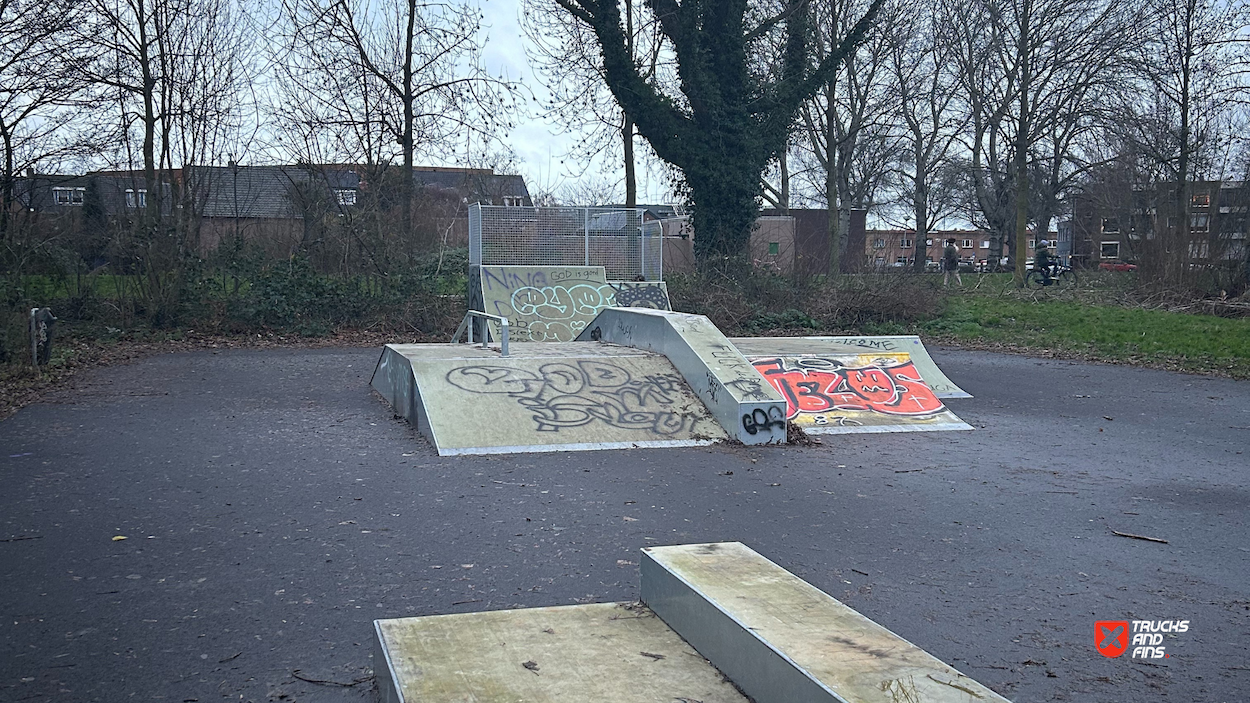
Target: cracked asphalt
272,507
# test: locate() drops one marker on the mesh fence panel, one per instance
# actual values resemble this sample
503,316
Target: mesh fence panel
615,239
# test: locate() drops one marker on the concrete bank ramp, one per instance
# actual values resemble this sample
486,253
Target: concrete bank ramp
717,621
554,303
747,407
911,345
856,393
542,397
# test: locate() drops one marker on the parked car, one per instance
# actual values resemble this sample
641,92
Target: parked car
1117,266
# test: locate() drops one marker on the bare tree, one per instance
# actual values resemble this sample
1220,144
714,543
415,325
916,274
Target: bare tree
846,123
385,79
1032,73
923,76
1196,63
566,56
40,85
173,73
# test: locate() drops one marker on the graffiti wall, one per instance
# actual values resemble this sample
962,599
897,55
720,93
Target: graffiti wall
638,398
641,294
554,303
848,393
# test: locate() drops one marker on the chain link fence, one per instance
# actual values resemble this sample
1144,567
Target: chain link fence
616,239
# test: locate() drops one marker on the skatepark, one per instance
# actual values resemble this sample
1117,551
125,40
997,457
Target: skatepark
609,500
293,511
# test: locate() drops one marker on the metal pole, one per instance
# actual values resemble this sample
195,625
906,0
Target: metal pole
586,230
642,246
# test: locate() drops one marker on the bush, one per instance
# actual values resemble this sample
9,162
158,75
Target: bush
763,303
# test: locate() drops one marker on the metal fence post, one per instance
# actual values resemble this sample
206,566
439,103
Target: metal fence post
586,230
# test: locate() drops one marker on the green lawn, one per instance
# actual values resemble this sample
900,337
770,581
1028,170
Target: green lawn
1114,333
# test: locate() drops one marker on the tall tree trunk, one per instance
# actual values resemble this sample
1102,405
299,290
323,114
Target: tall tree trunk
831,184
784,196
627,129
920,201
631,184
6,183
1022,147
407,186
149,117
719,232
1177,251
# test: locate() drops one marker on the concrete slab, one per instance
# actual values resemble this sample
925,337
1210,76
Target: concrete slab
543,397
746,406
856,393
782,640
571,654
553,303
942,386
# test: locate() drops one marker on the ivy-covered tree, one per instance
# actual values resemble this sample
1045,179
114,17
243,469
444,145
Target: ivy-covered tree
731,111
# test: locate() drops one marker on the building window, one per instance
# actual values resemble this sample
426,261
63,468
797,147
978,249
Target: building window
346,196
136,198
1199,250
967,244
928,242
985,244
1110,224
905,243
878,244
901,261
1201,199
774,248
513,201
68,196
1199,223
880,260
1109,250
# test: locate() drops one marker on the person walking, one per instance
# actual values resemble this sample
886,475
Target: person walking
950,264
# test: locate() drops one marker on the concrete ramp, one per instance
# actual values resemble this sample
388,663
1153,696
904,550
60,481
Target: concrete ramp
911,345
746,407
543,397
554,303
717,621
856,393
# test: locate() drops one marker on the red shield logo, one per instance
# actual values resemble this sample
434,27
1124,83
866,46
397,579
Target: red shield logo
1111,637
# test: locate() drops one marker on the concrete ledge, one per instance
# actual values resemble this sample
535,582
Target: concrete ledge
610,652
782,640
744,404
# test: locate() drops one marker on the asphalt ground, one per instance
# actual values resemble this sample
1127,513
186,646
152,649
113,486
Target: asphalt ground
273,507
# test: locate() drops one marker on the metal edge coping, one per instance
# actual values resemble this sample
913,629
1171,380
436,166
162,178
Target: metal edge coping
386,655
582,447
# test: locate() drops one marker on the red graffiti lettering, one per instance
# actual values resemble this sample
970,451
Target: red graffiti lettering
821,387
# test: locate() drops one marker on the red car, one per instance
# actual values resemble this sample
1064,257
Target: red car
1117,266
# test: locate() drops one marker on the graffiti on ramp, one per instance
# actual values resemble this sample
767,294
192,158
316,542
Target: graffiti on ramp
566,395
849,393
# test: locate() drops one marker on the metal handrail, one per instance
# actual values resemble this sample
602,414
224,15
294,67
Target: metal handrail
467,325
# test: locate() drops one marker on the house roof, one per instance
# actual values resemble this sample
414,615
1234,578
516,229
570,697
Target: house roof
37,192
267,192
261,192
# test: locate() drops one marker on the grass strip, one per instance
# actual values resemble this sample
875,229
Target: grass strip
1182,341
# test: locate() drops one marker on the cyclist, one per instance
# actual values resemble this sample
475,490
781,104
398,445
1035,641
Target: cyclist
1043,260
950,263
